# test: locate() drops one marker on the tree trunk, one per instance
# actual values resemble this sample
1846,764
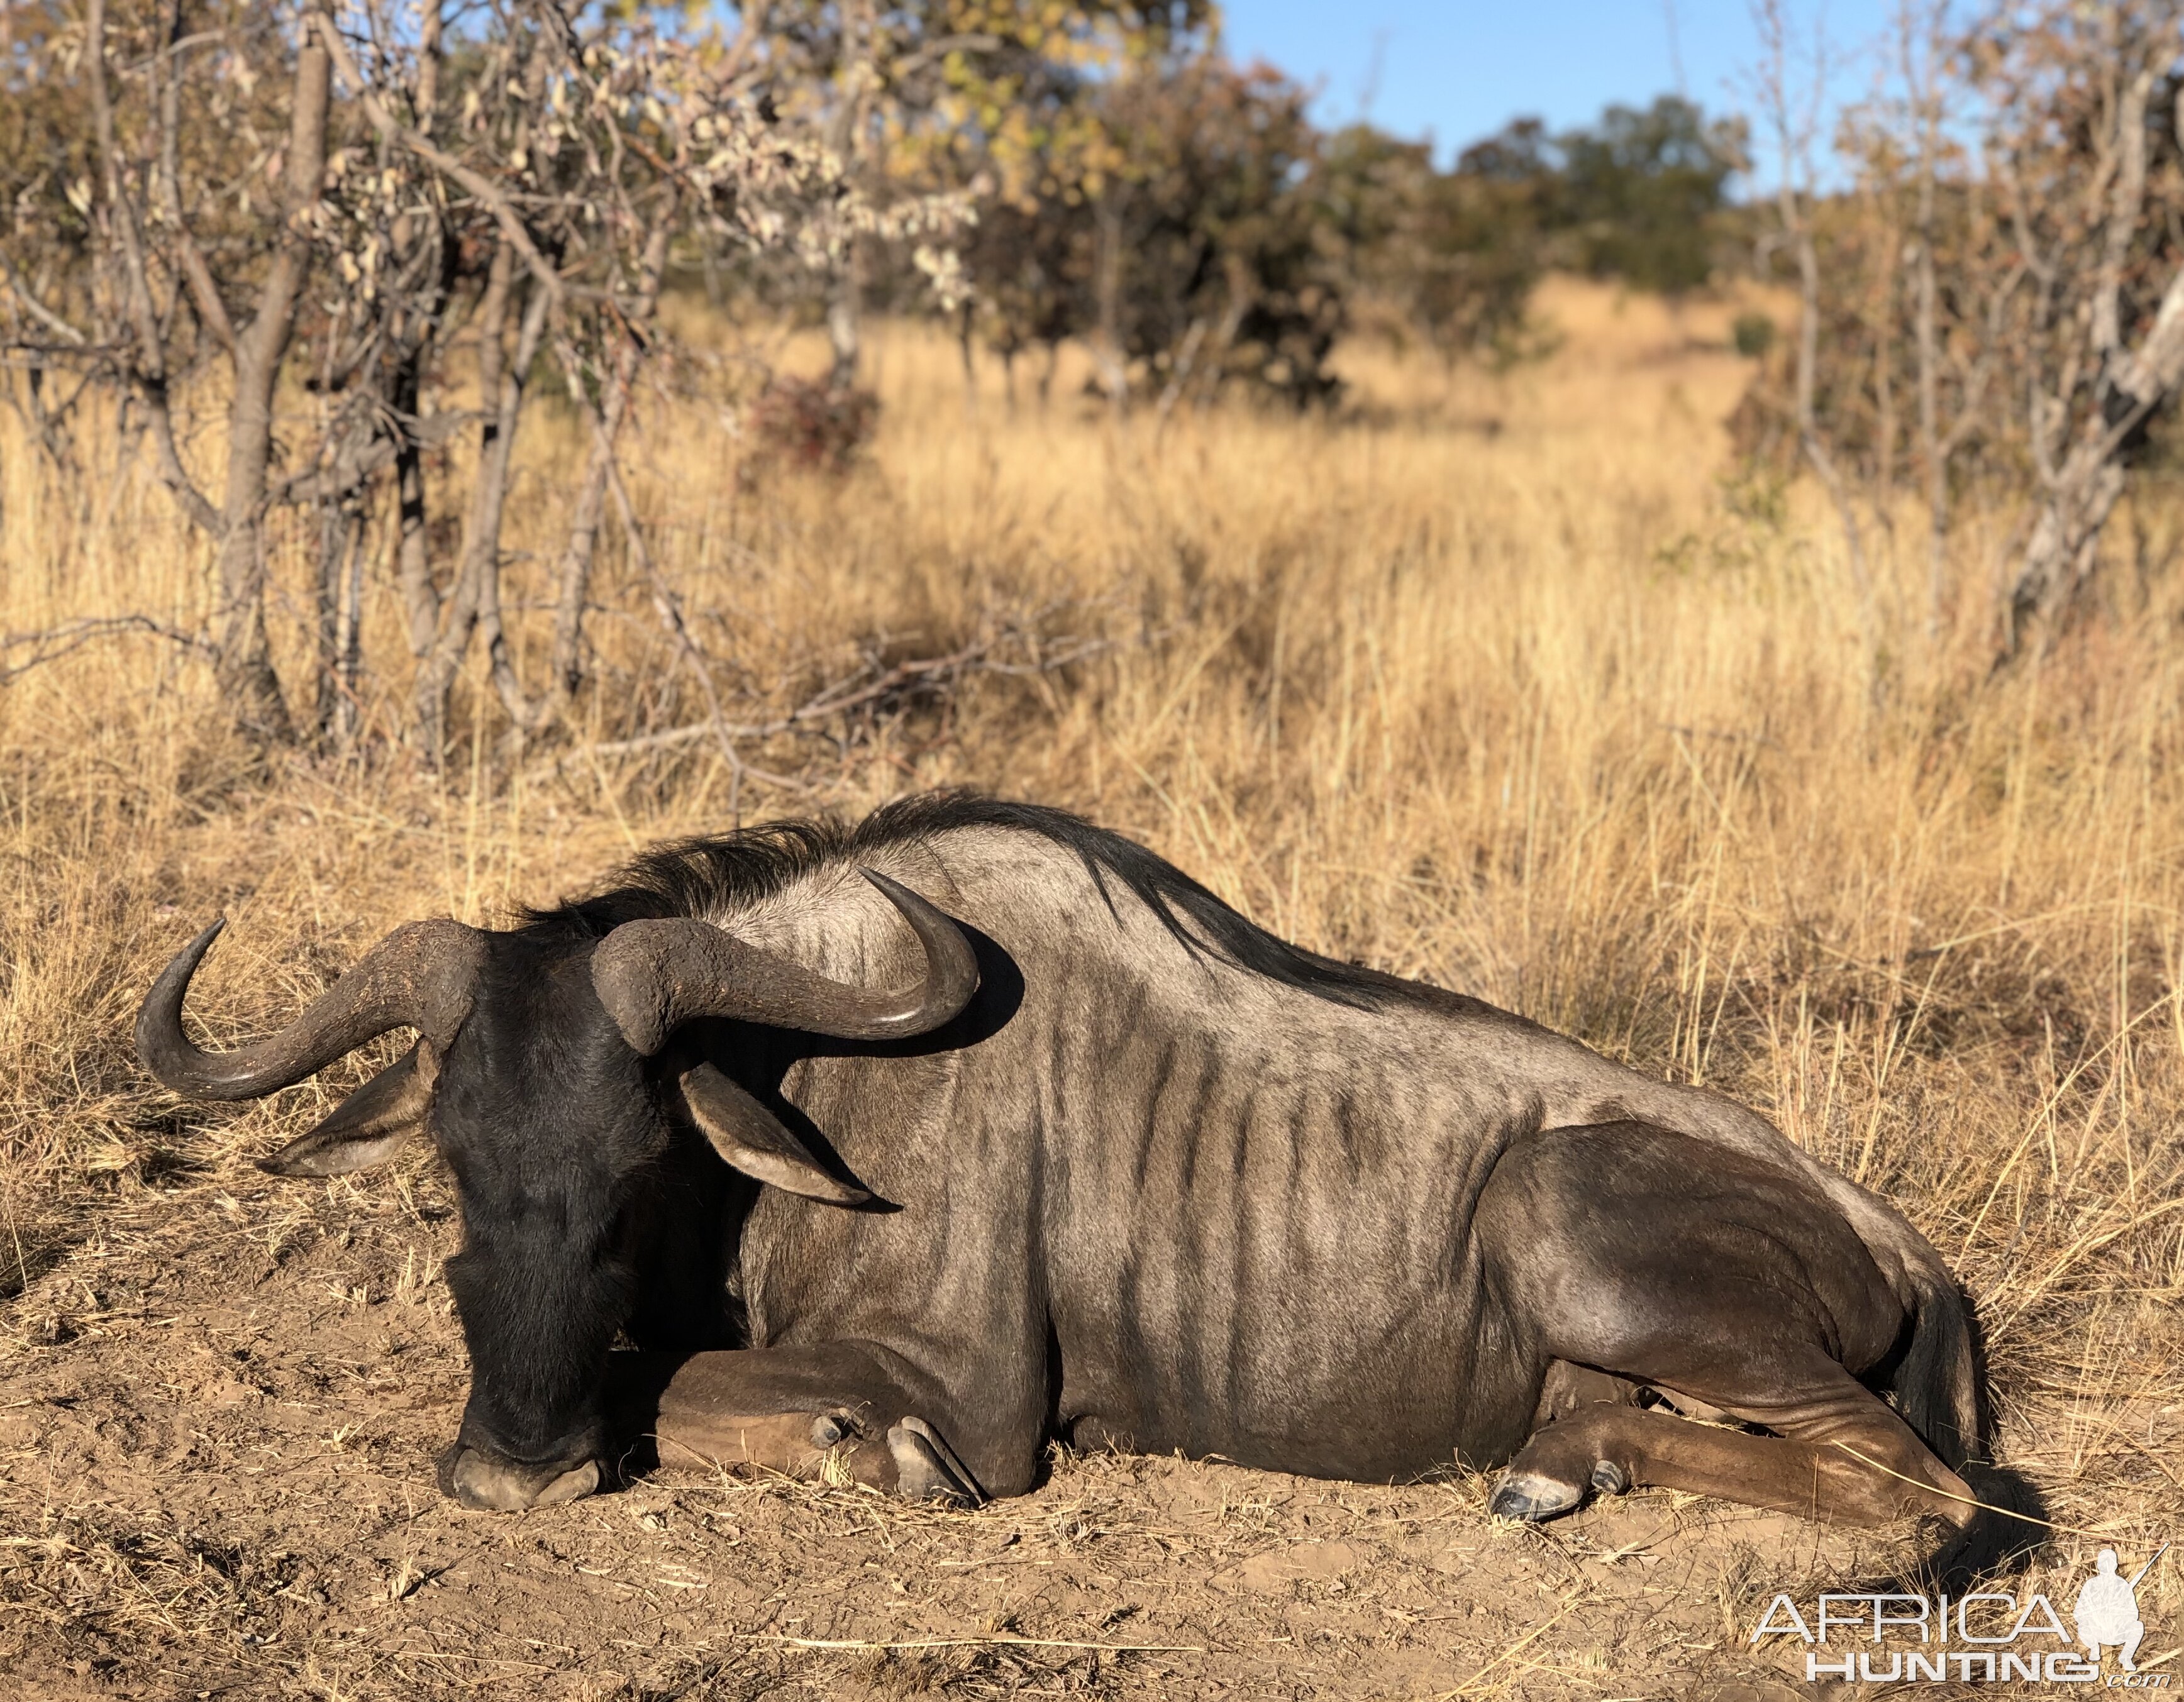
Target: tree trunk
1113,363
341,592
566,663
842,323
413,556
148,365
846,135
501,379
245,663
2060,558
413,552
2133,385
1934,462
967,355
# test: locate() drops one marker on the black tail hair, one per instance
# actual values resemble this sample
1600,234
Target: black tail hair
1936,1381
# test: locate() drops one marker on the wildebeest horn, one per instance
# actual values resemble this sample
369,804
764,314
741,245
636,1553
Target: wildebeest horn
419,976
652,975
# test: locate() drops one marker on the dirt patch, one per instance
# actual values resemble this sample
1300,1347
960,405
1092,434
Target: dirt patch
216,1432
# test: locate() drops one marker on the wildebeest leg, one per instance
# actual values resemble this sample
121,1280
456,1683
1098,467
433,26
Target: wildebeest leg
1567,1388
1845,1460
1650,1256
834,1411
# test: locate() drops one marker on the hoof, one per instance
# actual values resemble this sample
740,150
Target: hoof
925,1468
829,1430
1610,1478
1528,1496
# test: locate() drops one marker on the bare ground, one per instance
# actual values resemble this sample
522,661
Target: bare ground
216,1435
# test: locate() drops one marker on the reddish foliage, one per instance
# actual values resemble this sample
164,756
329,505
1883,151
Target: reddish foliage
814,426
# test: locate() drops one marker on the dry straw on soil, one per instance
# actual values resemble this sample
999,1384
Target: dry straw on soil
1498,681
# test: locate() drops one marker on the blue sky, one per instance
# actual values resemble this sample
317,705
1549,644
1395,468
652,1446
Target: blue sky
1462,68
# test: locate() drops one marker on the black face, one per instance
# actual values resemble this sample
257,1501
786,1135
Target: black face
545,1063
550,1124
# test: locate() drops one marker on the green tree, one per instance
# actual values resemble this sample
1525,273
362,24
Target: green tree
1213,238
1637,196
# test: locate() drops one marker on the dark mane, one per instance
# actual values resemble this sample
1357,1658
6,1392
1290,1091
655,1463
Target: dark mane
690,876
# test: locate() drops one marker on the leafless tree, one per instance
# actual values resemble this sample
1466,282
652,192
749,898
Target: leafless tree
2097,334
139,188
1790,87
2026,163
520,183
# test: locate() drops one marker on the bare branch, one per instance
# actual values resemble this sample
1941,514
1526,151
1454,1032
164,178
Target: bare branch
2127,204
512,227
246,665
352,466
565,665
37,309
148,370
1793,133
51,643
205,294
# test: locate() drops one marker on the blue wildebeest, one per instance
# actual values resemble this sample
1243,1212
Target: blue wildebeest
922,1142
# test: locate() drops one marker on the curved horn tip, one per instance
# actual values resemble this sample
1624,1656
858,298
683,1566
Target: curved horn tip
888,885
184,963
383,990
914,907
952,966
198,947
169,986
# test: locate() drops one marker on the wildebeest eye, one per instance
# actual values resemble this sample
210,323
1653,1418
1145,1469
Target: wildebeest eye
367,1127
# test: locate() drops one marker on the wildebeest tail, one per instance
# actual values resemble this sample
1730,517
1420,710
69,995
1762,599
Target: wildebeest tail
1937,1382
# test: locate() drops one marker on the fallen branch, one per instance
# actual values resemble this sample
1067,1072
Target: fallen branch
847,694
689,735
53,642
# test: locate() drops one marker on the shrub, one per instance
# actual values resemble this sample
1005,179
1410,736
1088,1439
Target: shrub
816,427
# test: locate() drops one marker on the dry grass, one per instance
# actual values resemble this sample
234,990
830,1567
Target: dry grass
1496,681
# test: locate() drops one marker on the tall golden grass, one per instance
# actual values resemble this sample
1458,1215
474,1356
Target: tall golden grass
1509,681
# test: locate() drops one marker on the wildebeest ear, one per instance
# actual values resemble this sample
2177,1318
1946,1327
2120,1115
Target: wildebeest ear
366,1128
747,1136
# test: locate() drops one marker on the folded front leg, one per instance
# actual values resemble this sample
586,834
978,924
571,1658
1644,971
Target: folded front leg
835,1412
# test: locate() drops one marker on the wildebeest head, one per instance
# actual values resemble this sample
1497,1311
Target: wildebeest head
542,1072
